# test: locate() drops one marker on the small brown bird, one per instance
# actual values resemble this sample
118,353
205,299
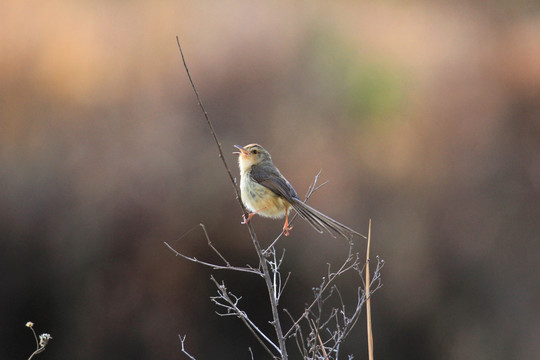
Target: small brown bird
266,192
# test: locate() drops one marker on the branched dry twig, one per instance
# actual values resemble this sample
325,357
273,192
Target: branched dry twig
351,262
182,341
275,264
229,302
338,324
227,265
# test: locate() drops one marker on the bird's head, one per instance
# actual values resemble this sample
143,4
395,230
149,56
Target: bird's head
250,155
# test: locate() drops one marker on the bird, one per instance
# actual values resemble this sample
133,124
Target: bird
266,192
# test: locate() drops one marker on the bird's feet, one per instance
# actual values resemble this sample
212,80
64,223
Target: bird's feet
286,229
245,219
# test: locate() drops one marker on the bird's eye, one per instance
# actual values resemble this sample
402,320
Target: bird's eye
254,151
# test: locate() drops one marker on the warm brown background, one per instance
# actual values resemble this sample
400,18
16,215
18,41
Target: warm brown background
424,117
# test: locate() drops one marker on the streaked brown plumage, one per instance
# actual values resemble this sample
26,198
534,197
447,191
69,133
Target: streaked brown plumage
266,192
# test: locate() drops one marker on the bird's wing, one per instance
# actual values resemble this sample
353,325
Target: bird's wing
273,180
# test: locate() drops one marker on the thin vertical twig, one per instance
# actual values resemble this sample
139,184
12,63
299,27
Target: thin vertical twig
368,298
208,122
316,329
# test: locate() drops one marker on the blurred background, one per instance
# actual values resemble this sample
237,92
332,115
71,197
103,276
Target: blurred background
424,117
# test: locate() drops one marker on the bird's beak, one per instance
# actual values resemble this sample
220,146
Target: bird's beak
242,150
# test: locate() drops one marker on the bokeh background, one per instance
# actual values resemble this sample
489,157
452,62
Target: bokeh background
424,116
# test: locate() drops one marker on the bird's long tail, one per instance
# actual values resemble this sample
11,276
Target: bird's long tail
321,222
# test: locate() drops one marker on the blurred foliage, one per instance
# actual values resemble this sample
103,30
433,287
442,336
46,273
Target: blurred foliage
367,88
375,92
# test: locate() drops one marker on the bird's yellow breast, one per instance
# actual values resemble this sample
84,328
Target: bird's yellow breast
260,199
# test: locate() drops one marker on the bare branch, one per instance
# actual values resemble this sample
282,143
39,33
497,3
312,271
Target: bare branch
275,264
231,305
338,324
215,266
283,286
212,246
210,126
349,263
182,340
